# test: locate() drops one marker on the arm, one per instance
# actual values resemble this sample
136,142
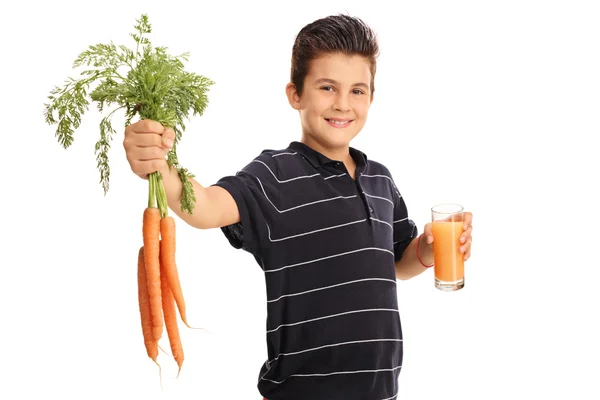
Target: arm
146,144
409,266
214,207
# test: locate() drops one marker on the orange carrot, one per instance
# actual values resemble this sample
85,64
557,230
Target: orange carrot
170,316
168,261
144,304
151,236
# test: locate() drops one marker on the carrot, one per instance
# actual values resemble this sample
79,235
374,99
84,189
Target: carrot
144,305
151,233
170,316
168,261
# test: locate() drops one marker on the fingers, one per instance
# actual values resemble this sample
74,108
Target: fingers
428,233
468,219
148,134
168,138
146,144
146,126
466,249
466,234
144,148
150,153
466,238
143,140
164,140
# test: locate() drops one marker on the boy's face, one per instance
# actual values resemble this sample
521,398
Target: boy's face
335,100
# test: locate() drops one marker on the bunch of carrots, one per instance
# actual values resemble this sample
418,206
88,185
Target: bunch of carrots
150,83
159,289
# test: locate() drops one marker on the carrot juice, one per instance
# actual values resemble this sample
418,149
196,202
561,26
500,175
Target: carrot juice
447,227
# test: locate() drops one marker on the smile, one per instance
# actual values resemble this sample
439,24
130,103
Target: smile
339,123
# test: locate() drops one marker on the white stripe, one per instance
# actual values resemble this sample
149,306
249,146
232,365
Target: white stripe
270,380
280,154
308,176
331,316
351,372
311,232
301,205
335,176
341,372
334,345
379,197
400,220
390,398
383,176
324,229
329,287
287,180
377,176
383,222
332,256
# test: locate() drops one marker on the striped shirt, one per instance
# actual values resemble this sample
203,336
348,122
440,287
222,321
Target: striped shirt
327,244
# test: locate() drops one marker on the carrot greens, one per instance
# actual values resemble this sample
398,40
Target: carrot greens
145,81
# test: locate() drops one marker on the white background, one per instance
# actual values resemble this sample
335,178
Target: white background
491,104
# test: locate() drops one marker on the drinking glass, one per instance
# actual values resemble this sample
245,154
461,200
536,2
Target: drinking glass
448,263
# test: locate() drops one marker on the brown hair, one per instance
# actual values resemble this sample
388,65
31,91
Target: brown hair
334,34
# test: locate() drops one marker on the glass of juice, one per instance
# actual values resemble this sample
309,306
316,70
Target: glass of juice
448,263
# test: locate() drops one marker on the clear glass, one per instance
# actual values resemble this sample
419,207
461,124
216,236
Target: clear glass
447,222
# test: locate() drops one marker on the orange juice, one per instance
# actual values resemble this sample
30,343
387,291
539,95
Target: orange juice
448,261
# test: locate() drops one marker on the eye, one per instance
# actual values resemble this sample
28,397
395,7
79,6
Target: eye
357,92
327,88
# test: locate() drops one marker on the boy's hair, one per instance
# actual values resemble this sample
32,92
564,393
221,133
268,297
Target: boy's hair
334,34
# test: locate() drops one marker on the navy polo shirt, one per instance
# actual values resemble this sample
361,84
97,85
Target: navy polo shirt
327,244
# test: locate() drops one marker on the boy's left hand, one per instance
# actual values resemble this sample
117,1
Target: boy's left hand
465,238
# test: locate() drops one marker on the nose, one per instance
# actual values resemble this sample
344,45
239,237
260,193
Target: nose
342,103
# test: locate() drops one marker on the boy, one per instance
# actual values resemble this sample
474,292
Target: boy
327,225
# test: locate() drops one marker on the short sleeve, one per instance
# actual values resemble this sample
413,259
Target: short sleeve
405,230
249,191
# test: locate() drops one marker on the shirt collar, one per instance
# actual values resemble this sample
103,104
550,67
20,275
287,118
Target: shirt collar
317,159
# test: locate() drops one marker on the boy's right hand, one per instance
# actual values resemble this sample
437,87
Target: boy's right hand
146,145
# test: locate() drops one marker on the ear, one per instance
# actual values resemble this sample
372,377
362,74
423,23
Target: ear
292,95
